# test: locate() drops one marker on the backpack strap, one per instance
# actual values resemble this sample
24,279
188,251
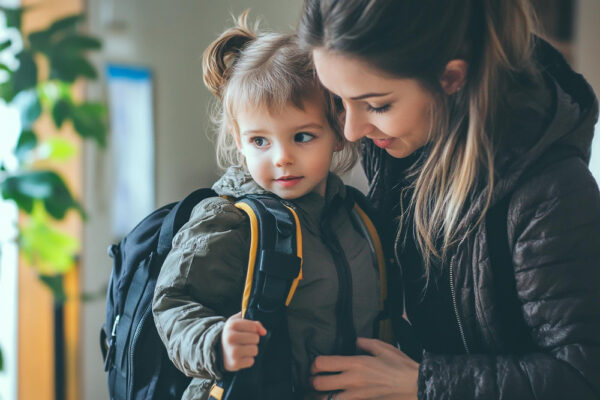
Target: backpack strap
514,330
274,271
279,258
363,216
178,216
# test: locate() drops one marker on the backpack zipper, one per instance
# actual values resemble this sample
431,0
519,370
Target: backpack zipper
454,303
138,330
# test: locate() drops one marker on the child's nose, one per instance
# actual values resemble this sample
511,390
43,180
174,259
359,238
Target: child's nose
284,156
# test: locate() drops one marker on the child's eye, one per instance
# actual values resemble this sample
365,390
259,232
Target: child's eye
259,141
378,110
303,137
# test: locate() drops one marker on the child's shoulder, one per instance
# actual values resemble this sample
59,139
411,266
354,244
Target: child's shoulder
212,216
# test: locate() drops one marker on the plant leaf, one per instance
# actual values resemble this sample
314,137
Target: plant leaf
25,76
48,186
77,43
55,284
28,104
69,67
1,361
57,149
27,142
5,45
13,16
67,23
49,250
89,121
40,41
61,111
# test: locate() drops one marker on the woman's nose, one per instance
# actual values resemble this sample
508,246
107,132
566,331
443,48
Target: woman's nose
355,126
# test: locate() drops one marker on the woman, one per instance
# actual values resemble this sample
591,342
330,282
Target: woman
476,137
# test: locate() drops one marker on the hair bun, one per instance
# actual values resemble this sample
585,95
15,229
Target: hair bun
221,55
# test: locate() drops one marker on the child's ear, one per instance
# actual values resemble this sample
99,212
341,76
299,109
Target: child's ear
454,76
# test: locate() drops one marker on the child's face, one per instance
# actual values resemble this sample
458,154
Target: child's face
288,152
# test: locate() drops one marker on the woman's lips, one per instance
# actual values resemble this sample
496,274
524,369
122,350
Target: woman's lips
287,181
383,143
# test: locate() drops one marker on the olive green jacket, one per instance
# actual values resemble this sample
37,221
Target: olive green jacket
202,279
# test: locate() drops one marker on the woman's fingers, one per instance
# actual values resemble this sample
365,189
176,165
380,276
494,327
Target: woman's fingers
331,364
385,374
375,347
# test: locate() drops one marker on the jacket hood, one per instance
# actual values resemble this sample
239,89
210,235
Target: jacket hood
566,116
236,182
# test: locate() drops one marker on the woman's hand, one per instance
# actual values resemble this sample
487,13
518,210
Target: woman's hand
239,342
387,373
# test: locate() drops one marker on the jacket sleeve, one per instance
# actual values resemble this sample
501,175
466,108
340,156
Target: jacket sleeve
200,285
554,228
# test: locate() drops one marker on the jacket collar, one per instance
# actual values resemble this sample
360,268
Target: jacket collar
237,182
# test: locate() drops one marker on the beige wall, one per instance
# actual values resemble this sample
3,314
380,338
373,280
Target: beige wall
168,37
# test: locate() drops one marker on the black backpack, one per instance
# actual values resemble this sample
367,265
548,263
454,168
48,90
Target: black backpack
135,358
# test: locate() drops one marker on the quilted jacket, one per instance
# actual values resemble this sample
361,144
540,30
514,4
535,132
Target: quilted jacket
553,226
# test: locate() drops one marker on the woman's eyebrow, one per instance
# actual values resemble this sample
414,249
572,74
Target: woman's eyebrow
366,95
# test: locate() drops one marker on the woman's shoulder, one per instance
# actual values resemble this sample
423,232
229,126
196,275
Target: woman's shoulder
562,188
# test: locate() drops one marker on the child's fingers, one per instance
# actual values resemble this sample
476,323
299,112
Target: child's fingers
241,352
240,364
246,325
243,338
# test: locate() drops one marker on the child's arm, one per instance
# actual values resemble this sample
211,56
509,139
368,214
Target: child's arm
200,285
239,342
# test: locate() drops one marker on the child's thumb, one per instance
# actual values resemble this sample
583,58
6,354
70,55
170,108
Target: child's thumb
261,329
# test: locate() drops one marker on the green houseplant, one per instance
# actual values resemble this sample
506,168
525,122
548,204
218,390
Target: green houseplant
49,62
39,81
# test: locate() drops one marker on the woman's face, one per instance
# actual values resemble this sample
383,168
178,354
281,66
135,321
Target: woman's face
394,113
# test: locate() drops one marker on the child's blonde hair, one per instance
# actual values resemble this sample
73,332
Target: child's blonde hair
245,68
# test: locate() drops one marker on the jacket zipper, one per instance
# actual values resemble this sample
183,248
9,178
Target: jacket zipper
454,303
345,323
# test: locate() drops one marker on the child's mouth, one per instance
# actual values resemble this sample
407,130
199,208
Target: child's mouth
287,181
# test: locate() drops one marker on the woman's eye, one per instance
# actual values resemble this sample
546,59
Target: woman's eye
378,110
259,141
303,137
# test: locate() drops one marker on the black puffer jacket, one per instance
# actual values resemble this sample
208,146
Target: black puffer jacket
553,229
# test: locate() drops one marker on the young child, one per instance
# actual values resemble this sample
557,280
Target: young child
279,132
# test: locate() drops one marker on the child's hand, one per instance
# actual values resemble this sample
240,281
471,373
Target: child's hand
239,342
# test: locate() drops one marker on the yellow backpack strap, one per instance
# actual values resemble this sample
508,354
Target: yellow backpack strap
385,325
252,259
216,392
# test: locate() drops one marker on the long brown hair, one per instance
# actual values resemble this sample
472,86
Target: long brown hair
416,39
